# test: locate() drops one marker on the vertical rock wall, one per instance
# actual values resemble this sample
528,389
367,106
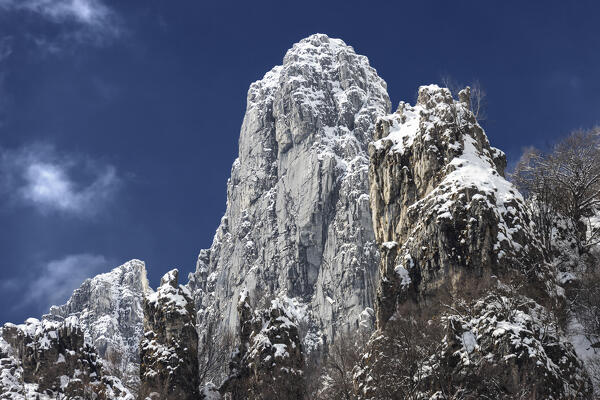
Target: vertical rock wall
297,217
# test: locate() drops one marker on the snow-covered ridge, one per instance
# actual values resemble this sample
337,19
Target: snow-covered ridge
452,230
109,310
472,167
50,359
467,170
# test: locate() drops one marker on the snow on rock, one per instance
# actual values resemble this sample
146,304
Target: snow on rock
210,392
297,215
109,310
48,359
172,297
269,361
515,340
169,347
437,189
451,230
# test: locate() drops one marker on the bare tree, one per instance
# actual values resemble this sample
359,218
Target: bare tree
534,180
337,368
586,302
565,181
477,95
215,352
478,99
399,357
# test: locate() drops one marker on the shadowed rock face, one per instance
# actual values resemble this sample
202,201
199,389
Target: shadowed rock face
297,215
452,231
269,362
169,347
43,359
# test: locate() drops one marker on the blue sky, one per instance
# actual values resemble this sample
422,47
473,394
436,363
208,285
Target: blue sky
119,120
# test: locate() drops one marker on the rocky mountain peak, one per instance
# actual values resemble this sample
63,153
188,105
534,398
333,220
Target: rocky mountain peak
171,278
297,215
48,359
269,362
439,199
109,309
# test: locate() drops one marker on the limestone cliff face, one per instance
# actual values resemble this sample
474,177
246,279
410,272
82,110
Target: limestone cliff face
457,248
169,347
297,215
51,360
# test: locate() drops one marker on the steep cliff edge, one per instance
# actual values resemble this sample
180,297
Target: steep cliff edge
458,253
88,345
297,215
442,210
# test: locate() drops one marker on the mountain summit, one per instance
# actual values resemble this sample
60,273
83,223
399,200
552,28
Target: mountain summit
297,218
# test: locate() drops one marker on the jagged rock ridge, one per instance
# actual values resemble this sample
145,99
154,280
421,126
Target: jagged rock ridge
48,360
297,217
109,308
441,206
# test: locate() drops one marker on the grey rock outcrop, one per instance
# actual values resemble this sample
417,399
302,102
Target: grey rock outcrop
109,310
268,364
451,231
169,347
44,360
445,217
297,217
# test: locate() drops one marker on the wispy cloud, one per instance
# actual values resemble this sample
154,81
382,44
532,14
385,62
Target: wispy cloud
92,19
39,176
55,281
5,47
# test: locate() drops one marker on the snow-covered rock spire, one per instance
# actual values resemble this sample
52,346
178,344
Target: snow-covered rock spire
297,215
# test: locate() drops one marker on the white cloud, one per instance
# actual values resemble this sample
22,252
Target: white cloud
56,280
93,15
90,12
72,184
49,186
